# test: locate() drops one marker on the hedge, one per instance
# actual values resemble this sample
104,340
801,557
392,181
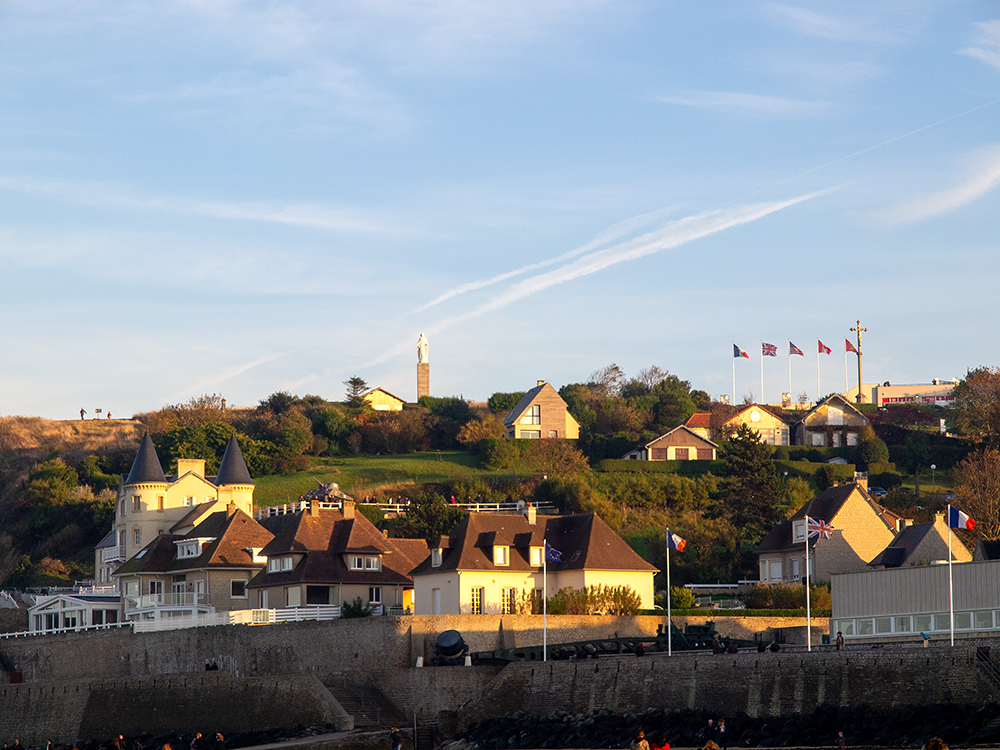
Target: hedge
807,469
684,468
817,454
698,612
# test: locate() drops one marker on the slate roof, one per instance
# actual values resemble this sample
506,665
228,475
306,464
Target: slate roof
146,467
110,540
900,549
232,537
987,550
325,539
585,541
233,469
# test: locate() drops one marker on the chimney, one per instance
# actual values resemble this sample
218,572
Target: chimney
231,509
531,514
314,508
348,509
540,382
861,477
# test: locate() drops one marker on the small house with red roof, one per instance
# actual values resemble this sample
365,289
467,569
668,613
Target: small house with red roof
700,423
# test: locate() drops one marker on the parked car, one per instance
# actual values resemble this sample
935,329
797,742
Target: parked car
877,491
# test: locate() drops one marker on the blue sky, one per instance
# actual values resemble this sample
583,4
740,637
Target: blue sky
244,197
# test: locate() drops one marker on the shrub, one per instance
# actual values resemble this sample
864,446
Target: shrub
681,598
357,608
591,600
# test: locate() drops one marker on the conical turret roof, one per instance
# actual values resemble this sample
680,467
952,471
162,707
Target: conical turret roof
233,469
146,467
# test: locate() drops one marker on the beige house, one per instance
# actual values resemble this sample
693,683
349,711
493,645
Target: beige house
149,503
832,423
861,530
680,444
332,557
379,399
541,413
491,563
203,565
772,429
700,423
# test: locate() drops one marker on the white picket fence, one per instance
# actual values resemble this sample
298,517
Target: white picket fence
238,617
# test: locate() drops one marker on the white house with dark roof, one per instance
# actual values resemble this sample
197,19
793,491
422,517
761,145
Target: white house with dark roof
541,413
491,563
832,423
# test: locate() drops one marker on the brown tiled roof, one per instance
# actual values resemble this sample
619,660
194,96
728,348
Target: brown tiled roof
191,518
702,419
585,541
324,541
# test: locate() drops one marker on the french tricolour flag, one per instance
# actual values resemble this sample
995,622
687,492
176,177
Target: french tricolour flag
959,520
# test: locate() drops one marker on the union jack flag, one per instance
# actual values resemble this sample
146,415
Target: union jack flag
817,527
768,350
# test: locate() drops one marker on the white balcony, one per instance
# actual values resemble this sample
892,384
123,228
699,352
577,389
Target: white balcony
172,600
113,554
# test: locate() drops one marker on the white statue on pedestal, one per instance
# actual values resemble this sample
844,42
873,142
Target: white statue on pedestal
422,349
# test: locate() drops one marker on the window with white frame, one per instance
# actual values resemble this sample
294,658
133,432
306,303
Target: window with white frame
374,594
501,555
531,434
188,502
436,557
507,600
536,556
357,562
476,600
800,530
286,563
273,565
373,563
156,587
136,503
138,537
238,589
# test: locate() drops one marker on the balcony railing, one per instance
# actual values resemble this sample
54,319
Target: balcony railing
113,554
172,599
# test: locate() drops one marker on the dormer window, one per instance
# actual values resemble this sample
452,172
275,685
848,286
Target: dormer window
501,555
192,547
799,531
365,562
276,564
436,557
536,556
373,563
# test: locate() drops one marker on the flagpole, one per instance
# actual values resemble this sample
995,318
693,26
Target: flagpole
809,646
734,371
761,372
545,596
951,587
846,389
670,627
789,369
817,372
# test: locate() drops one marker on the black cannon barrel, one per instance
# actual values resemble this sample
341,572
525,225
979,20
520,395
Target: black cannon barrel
450,643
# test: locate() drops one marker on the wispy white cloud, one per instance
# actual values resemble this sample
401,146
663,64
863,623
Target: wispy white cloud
985,177
108,196
872,24
727,101
671,235
988,44
610,234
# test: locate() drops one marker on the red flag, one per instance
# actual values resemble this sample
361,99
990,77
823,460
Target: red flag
850,346
823,349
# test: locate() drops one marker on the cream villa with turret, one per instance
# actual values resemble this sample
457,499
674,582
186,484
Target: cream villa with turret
149,503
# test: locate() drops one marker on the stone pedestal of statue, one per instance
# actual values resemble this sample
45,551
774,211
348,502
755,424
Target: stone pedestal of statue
423,379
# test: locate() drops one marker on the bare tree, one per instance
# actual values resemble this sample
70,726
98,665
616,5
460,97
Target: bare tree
977,402
607,381
977,491
651,376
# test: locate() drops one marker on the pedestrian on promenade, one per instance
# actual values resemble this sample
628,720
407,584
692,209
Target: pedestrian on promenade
841,741
720,735
639,741
196,742
840,641
396,739
220,741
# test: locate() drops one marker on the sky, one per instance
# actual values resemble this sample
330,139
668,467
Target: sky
246,197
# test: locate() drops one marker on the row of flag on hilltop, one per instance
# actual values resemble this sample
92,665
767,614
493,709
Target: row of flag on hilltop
770,350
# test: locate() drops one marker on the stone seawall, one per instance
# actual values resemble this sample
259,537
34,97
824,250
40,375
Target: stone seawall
759,685
97,710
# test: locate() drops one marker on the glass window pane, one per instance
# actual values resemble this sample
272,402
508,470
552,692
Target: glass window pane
903,624
883,624
846,626
942,621
865,627
983,619
922,623
963,620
